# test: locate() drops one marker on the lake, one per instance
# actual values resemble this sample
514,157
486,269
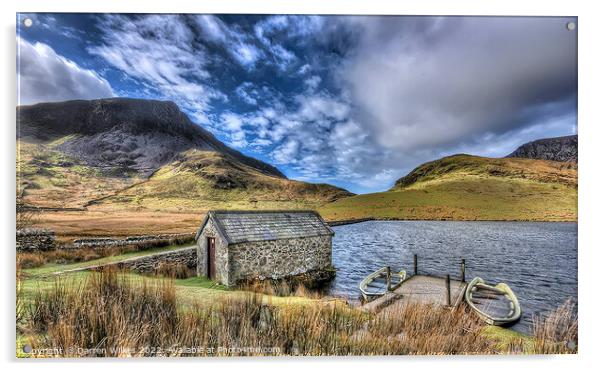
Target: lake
538,260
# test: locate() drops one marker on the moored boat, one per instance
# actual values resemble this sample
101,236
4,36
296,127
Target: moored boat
496,305
379,282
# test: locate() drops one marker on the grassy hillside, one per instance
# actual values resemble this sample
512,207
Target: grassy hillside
203,180
46,177
173,199
466,187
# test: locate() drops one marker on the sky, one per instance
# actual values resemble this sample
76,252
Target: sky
354,101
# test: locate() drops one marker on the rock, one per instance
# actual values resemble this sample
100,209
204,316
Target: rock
563,149
35,239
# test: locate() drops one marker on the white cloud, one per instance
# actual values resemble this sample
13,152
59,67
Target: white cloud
235,42
304,69
286,153
264,31
313,82
315,107
161,52
247,93
45,76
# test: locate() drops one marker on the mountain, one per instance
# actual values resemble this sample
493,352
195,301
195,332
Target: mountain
120,135
554,149
464,187
201,180
110,156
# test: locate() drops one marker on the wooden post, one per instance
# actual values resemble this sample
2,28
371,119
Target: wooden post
463,270
448,290
388,278
415,264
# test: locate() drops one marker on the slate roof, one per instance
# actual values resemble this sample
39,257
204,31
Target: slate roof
253,226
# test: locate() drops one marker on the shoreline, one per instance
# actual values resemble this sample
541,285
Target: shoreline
336,223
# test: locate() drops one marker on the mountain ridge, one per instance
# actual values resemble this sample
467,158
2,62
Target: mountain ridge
563,149
122,135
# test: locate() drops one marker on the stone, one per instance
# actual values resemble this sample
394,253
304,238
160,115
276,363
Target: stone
35,239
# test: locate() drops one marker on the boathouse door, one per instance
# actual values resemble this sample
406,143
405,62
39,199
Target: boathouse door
211,258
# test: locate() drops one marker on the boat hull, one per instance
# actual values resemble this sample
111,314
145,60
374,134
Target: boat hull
496,305
375,284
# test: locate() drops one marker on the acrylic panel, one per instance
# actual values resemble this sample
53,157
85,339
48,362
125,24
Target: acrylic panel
274,185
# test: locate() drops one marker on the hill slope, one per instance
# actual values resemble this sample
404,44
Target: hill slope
464,187
203,180
121,136
554,149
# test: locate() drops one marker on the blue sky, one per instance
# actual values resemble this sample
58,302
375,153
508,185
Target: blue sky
353,101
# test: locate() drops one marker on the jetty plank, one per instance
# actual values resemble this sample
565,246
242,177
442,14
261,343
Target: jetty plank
420,288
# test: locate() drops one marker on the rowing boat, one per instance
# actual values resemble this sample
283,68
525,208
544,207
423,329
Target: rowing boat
378,283
496,305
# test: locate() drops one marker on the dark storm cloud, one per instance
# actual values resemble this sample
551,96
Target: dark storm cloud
458,77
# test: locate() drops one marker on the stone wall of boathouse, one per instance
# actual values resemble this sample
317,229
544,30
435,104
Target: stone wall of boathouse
307,259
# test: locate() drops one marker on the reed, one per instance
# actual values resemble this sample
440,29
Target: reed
556,333
175,270
118,316
28,260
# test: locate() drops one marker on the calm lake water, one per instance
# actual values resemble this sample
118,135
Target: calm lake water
537,260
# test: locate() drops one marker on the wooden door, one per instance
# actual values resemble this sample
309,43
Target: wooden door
211,258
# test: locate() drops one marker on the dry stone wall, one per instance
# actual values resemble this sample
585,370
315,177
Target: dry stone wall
34,239
151,263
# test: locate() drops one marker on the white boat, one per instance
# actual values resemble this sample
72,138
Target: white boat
378,283
496,305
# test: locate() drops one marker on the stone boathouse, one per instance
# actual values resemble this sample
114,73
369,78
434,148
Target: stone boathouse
234,247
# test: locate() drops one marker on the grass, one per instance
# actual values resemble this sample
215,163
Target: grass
173,200
557,332
49,178
123,317
471,188
110,310
128,315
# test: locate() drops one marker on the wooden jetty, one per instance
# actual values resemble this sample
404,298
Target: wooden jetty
425,289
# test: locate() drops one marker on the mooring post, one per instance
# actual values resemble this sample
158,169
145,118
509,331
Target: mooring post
448,289
415,264
463,270
388,278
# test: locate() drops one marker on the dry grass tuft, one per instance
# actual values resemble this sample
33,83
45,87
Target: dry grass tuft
557,333
280,288
175,270
415,328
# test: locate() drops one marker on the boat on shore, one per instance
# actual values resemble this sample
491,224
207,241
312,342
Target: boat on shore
378,283
496,305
